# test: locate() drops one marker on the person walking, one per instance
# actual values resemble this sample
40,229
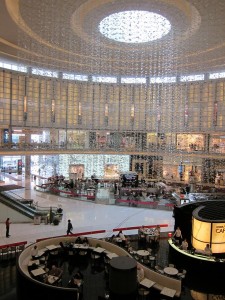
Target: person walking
7,225
69,227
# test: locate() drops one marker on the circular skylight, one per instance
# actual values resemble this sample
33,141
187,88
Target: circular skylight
134,26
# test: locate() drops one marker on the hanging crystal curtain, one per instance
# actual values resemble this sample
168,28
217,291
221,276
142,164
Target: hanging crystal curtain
111,81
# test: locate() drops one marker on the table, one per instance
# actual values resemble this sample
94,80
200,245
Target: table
170,271
148,231
40,253
147,283
32,262
51,247
99,250
52,279
38,272
111,255
81,246
118,240
168,292
143,253
150,237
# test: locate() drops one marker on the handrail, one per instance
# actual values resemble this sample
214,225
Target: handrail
31,209
71,193
75,234
17,196
13,244
137,227
20,207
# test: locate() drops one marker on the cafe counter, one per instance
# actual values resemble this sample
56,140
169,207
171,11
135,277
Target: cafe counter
206,273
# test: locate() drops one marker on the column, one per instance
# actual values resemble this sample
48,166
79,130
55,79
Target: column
123,278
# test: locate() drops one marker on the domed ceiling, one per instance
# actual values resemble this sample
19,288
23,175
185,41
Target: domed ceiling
65,35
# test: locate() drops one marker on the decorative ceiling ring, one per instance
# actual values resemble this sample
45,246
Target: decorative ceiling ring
77,19
85,20
186,15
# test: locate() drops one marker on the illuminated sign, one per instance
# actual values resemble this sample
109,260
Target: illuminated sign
208,233
218,237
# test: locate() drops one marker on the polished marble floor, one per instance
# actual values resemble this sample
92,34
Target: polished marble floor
85,215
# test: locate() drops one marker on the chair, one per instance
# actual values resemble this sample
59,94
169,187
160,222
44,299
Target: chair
136,257
83,253
143,294
152,261
44,260
149,250
54,253
4,254
95,259
141,237
182,274
19,249
171,265
146,260
71,253
159,269
12,252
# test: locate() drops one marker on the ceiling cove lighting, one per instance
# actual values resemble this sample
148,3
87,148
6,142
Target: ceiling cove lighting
134,26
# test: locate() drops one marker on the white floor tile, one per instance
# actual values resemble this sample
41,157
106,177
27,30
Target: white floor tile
85,216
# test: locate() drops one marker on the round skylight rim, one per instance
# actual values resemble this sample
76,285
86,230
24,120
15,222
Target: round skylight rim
134,26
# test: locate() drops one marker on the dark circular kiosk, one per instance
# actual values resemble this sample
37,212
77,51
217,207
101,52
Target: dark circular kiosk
201,223
123,278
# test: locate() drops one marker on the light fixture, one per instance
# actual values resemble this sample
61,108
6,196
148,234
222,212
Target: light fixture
25,108
134,26
53,111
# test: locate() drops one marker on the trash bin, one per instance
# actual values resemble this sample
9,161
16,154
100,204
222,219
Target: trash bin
37,220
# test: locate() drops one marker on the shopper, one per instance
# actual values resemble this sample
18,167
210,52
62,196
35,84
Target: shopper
69,228
178,235
207,250
184,244
7,225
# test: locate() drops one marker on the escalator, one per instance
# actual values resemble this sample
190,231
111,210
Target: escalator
25,207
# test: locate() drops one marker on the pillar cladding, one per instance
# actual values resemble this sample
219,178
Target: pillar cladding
27,165
123,278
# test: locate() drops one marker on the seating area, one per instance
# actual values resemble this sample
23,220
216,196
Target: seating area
99,253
